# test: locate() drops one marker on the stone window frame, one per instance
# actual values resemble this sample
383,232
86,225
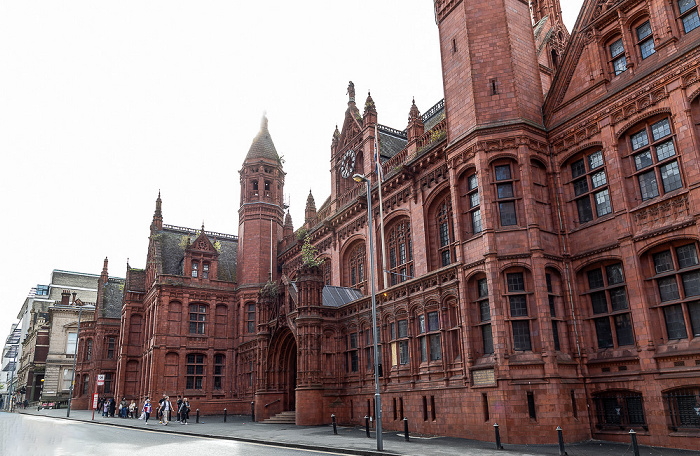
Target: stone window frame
501,183
642,41
352,353
687,15
636,154
88,349
197,313
481,304
513,294
399,337
399,252
195,371
555,297
429,325
110,347
356,264
616,54
219,370
689,305
445,236
587,175
607,324
472,197
85,390
250,317
194,269
619,409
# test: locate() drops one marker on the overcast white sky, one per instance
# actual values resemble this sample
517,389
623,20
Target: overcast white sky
102,104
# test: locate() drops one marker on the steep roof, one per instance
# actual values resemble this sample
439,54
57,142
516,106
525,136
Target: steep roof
112,294
174,241
262,146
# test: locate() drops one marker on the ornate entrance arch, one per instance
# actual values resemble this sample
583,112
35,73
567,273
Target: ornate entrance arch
282,367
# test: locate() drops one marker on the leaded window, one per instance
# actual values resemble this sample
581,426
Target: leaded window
590,187
645,40
689,14
474,203
356,264
400,250
219,371
617,57
518,308
677,277
656,165
198,316
505,195
484,312
609,307
445,233
195,371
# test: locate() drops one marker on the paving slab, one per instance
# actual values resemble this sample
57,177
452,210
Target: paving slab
353,440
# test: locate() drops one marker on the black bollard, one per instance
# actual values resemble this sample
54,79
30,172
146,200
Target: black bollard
197,416
367,425
252,412
560,434
405,428
335,429
635,447
225,414
498,437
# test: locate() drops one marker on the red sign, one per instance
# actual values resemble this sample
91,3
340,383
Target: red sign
100,379
94,401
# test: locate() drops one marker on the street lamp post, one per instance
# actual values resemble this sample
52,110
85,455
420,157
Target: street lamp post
377,396
75,358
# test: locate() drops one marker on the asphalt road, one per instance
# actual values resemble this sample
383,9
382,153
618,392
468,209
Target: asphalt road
26,435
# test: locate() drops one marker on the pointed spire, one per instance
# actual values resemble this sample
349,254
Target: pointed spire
157,223
262,146
202,226
288,229
370,114
288,219
104,276
415,123
310,212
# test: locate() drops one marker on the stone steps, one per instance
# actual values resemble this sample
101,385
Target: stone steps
288,417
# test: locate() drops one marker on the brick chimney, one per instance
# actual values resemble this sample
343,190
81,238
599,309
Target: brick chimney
65,297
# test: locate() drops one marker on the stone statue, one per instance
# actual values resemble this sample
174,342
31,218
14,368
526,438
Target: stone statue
351,91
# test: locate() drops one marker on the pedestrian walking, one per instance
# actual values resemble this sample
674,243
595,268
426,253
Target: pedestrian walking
105,407
160,409
123,408
184,411
147,409
167,408
179,403
132,409
112,406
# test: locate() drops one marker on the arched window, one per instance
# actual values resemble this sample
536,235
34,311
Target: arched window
588,186
250,317
445,232
327,271
356,265
606,290
400,252
675,271
652,158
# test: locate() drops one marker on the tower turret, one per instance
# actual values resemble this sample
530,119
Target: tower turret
157,223
310,212
261,212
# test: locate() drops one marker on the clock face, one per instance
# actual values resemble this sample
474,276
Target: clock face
347,164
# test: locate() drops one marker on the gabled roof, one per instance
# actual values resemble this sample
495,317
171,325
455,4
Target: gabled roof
112,298
339,296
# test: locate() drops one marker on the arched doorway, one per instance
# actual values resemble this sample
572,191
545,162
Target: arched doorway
283,360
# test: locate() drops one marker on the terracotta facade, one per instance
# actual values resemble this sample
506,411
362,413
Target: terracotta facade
541,248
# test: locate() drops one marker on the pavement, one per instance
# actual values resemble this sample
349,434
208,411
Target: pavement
351,440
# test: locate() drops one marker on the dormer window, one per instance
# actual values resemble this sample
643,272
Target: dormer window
205,270
195,269
617,54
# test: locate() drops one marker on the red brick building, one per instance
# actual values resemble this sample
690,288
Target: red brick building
541,248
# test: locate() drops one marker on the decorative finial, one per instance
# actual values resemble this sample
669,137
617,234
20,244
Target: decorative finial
263,122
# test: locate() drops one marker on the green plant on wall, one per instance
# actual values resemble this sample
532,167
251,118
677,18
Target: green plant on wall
301,233
217,246
270,289
309,254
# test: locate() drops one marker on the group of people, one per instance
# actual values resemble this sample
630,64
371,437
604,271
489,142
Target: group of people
165,409
109,407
